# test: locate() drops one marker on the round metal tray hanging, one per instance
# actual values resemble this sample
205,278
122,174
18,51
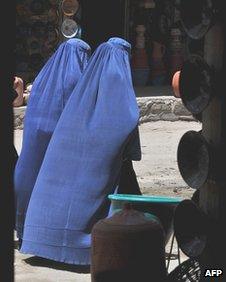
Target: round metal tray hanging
196,16
194,158
196,84
69,28
70,7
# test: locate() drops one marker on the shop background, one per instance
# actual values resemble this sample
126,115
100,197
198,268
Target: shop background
153,27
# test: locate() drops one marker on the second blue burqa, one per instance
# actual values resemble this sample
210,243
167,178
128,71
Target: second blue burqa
84,158
50,92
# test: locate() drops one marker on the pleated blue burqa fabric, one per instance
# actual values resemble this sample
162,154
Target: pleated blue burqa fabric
50,92
83,161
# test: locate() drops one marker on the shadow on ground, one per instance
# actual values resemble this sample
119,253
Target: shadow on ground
38,261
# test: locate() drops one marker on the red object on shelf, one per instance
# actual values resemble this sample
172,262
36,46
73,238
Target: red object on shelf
140,59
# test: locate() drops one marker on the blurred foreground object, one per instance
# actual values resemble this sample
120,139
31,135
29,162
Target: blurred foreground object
129,246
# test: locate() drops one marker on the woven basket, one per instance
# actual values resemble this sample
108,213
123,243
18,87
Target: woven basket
188,271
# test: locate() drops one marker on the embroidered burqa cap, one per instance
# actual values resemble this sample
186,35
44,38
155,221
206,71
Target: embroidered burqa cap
83,160
50,92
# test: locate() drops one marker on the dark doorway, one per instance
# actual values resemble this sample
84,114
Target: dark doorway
101,20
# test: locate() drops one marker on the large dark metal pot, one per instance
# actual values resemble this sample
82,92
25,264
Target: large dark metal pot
129,246
196,84
160,206
191,228
194,158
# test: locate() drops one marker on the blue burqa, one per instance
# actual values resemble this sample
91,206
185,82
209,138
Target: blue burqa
83,161
50,92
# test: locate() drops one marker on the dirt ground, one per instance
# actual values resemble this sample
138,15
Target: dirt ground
157,172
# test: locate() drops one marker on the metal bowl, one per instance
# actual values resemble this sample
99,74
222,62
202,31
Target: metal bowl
196,84
70,7
191,228
194,159
69,28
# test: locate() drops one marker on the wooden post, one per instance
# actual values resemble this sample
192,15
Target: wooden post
212,194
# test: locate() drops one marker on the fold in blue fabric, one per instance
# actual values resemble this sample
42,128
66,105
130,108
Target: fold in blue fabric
83,160
50,92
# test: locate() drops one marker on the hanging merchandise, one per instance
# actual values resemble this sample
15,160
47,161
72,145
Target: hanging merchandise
175,40
198,16
140,38
69,28
34,45
197,96
192,228
164,20
164,25
51,41
70,7
140,71
149,4
175,84
140,58
158,68
38,7
79,33
38,29
176,15
176,44
38,24
53,15
52,35
194,157
53,3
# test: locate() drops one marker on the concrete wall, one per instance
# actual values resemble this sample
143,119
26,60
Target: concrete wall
151,109
166,108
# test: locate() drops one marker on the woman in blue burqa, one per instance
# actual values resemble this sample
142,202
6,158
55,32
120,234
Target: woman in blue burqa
84,158
50,92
